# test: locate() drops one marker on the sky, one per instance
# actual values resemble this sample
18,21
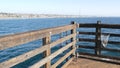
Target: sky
66,7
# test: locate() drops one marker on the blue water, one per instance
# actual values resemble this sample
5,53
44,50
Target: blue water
12,26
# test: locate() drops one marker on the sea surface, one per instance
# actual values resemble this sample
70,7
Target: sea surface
12,26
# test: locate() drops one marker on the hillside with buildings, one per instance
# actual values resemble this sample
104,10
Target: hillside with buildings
18,15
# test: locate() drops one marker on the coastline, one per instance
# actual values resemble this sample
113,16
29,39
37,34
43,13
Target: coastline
33,16
9,18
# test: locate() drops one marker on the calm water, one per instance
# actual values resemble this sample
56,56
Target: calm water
23,25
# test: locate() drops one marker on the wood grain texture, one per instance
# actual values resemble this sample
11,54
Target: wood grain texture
22,38
53,55
11,62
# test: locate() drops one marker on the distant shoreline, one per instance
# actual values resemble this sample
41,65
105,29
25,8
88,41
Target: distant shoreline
54,17
35,18
6,16
30,16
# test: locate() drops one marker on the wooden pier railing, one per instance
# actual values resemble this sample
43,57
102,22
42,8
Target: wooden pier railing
45,34
98,48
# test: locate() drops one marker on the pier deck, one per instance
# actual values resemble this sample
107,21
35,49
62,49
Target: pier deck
88,63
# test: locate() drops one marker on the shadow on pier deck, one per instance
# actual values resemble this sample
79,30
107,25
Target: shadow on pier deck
88,63
92,53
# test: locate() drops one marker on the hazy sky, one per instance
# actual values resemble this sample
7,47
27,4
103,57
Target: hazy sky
71,7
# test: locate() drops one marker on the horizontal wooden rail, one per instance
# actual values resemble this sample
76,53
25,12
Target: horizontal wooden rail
93,40
102,56
87,33
62,40
93,33
87,40
22,38
63,58
112,26
92,47
11,62
110,49
86,46
94,25
45,60
86,25
113,42
112,34
66,64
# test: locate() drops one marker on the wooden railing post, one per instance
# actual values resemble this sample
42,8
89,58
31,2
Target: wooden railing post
98,39
47,40
73,31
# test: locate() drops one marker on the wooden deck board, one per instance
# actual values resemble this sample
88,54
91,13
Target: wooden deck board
87,63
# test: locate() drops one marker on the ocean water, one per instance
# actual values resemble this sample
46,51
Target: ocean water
12,26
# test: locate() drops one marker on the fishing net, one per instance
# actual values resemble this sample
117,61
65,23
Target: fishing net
104,39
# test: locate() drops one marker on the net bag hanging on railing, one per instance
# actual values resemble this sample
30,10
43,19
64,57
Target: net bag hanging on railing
104,39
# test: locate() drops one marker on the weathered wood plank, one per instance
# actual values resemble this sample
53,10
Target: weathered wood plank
114,42
11,62
45,60
110,49
87,40
62,40
66,64
73,31
93,25
111,26
100,56
112,34
36,51
87,25
86,46
87,33
22,38
93,33
46,41
98,38
63,58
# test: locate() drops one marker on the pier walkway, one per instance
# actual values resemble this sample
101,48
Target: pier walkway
87,63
